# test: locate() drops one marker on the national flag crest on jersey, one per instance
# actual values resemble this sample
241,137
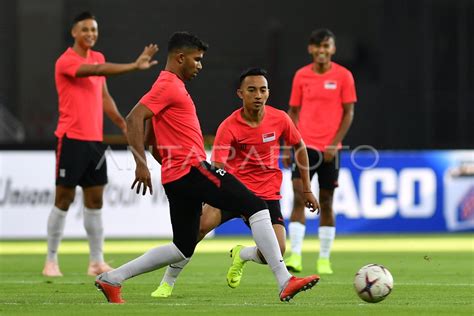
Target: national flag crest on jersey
330,85
268,137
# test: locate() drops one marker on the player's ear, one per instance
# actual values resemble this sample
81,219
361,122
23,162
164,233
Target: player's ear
310,49
180,57
239,93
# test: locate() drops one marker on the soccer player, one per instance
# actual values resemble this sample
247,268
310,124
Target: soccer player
247,145
322,106
187,178
83,97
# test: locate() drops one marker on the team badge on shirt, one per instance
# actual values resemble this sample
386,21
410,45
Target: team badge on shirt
330,85
268,137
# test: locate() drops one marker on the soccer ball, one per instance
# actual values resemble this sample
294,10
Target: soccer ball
373,283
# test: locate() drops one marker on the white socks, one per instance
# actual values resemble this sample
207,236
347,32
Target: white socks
153,259
95,233
250,254
55,228
327,234
264,236
173,271
296,232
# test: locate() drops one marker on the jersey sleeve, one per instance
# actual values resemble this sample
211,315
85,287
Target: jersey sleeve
291,135
222,144
296,91
158,98
69,66
348,89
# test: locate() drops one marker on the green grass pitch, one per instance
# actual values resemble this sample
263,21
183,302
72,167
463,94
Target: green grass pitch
434,275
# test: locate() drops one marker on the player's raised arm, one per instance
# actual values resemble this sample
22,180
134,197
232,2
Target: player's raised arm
302,162
135,134
143,62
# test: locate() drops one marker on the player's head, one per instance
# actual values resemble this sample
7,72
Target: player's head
185,51
85,30
322,45
253,88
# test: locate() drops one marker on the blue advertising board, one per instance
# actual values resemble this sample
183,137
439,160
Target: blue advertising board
394,192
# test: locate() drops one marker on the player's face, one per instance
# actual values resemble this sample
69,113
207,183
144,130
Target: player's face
192,63
254,92
322,52
85,33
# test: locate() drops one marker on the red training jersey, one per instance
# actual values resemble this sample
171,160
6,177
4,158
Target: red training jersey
177,131
321,97
251,153
80,99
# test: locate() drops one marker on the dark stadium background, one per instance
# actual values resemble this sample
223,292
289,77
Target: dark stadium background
413,60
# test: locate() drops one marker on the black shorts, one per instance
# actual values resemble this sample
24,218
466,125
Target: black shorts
205,184
328,172
80,162
273,207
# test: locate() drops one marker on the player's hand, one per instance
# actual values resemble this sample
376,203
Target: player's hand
144,61
330,153
286,157
142,177
311,202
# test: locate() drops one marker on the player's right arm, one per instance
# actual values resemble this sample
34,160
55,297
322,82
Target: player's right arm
150,140
222,147
135,134
107,69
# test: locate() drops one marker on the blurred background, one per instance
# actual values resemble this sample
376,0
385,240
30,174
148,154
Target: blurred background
413,61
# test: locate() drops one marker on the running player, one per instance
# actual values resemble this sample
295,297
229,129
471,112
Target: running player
322,106
247,145
188,179
83,98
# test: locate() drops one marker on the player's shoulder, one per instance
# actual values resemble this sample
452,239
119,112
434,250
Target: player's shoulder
340,69
274,113
232,118
304,70
96,55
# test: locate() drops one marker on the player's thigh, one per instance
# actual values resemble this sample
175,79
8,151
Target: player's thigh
222,190
72,160
328,174
185,215
96,172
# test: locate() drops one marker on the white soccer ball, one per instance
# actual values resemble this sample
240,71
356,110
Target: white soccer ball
373,283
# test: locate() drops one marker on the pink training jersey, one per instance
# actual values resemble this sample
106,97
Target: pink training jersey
251,153
321,97
80,99
176,126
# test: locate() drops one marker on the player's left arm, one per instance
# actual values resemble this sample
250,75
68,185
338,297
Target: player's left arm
302,162
110,109
346,122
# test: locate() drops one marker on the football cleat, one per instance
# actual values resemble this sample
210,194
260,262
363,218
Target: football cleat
112,292
294,263
164,290
51,269
296,285
96,268
234,274
324,266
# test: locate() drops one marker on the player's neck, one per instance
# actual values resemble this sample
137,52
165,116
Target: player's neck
81,51
253,117
321,68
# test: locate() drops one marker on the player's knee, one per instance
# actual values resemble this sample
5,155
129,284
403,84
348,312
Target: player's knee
95,202
63,201
187,249
256,204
